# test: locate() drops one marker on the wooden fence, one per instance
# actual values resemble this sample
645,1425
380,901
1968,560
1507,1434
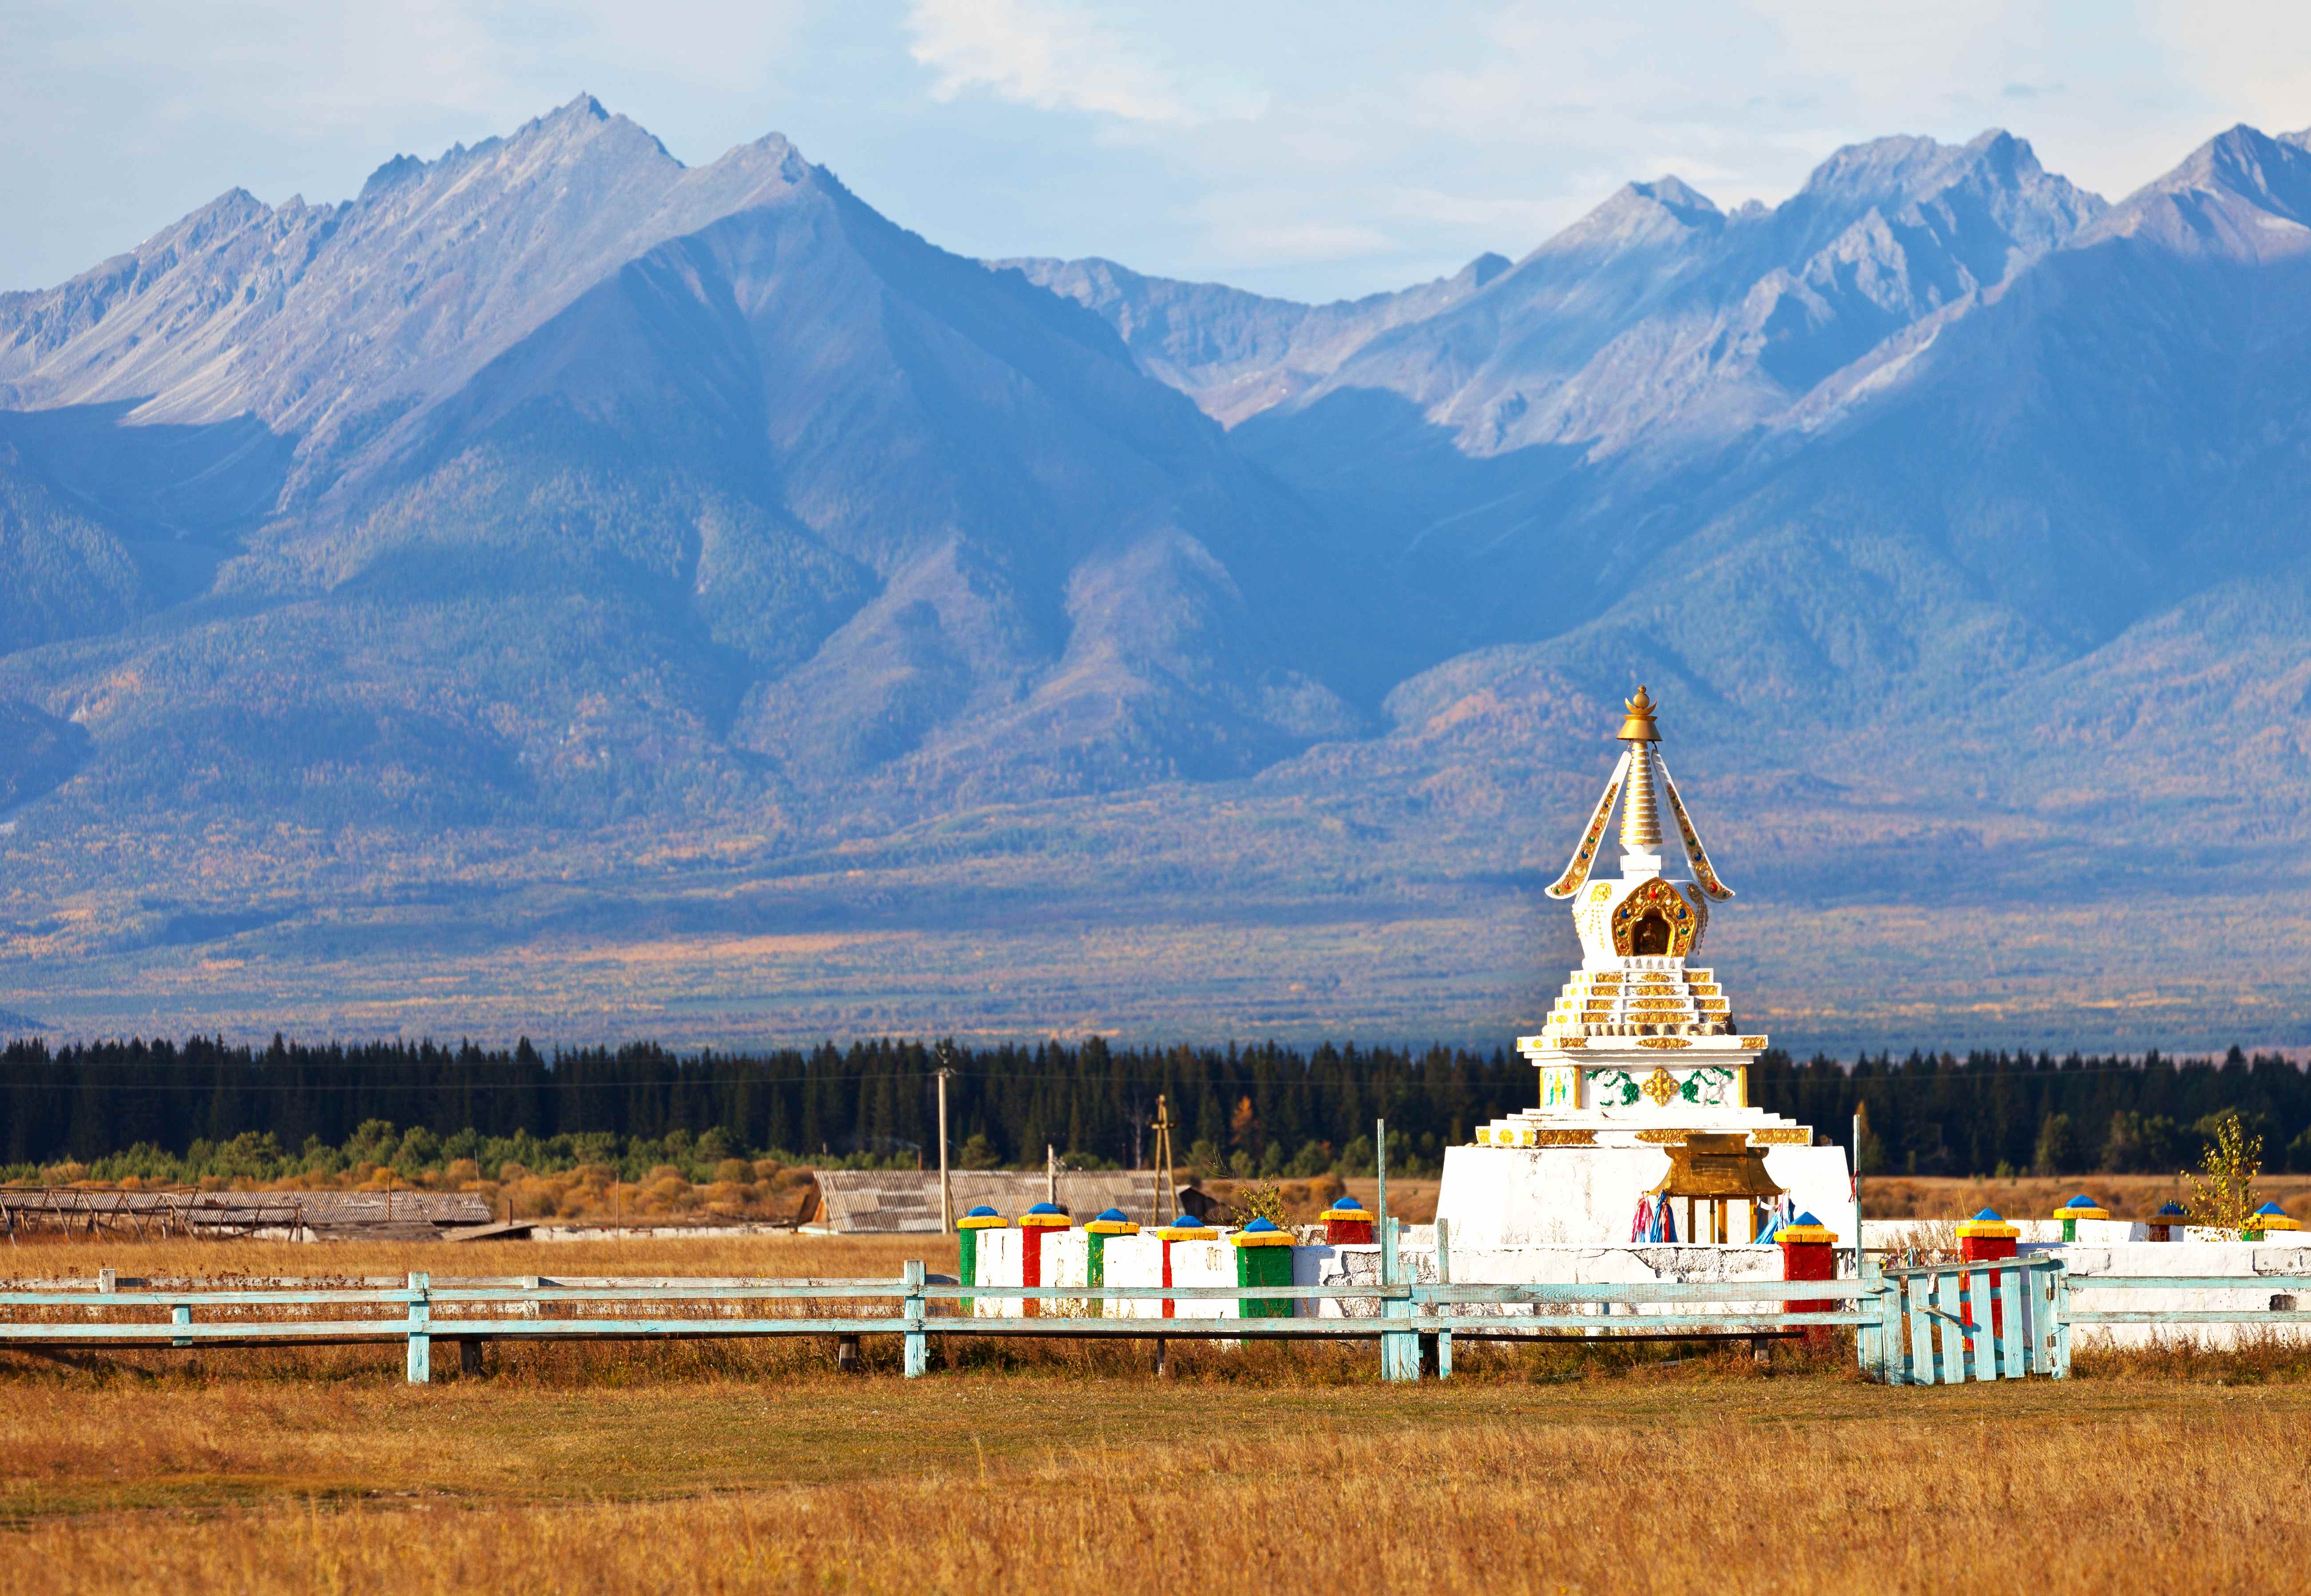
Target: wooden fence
419,1311
1936,1324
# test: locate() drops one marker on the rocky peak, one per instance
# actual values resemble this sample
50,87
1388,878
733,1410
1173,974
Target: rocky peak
1666,211
2242,195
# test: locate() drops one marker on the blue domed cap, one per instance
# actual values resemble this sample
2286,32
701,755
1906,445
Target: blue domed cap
1047,1208
1993,1215
1258,1224
981,1212
1350,1202
2082,1201
2171,1209
2272,1207
1806,1219
1114,1217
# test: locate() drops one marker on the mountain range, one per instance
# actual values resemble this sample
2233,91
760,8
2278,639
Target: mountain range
561,588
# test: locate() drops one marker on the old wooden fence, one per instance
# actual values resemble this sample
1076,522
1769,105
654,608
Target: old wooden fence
1934,1324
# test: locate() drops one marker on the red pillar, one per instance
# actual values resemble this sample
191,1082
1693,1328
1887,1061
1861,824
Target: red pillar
1986,1239
1348,1222
1033,1225
1808,1253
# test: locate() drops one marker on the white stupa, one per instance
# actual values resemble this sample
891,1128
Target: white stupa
1640,1052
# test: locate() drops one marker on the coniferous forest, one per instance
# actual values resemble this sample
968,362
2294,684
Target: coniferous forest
205,1107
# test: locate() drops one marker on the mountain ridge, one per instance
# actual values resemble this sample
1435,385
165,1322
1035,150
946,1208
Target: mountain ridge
552,512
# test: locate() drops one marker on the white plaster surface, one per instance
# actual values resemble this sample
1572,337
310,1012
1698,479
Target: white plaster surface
1526,1197
1203,1263
1067,1262
2247,1261
999,1263
1134,1261
1624,1265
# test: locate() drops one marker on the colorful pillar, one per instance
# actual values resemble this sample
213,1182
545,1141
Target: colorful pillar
2170,1218
1986,1238
1035,1224
2266,1219
2080,1207
1809,1252
1263,1257
967,1229
1182,1229
1114,1222
1348,1222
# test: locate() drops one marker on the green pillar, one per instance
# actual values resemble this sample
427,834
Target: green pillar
1263,1257
967,1229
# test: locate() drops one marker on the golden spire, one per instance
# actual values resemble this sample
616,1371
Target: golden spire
1640,830
1639,726
1640,818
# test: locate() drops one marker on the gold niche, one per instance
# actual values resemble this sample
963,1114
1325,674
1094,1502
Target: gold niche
1655,921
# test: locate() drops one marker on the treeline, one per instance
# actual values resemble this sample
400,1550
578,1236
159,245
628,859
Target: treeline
1263,1110
2021,1114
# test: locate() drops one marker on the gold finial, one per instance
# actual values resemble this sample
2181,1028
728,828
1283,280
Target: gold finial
1639,726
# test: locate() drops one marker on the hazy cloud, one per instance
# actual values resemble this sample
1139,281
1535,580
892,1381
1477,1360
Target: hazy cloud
1297,146
1057,57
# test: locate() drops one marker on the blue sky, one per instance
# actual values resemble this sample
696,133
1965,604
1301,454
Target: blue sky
1303,149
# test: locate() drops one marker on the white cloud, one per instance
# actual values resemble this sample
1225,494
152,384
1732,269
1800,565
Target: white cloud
1311,147
1053,55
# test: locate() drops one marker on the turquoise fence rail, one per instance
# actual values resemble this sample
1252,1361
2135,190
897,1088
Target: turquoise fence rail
2279,1288
419,1311
1927,1325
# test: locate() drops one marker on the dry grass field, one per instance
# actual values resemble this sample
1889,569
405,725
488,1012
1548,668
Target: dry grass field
2035,1197
755,1467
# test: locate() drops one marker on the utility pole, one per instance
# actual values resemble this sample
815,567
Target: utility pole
946,1185
1859,1254
1167,1201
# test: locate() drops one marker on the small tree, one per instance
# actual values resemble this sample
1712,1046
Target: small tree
1262,1200
2223,1196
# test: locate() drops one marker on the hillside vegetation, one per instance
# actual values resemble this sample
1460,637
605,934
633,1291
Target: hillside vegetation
676,567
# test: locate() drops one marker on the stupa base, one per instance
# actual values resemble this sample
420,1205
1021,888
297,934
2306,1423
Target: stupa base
1560,1196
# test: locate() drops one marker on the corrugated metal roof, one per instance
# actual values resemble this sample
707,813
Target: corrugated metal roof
867,1200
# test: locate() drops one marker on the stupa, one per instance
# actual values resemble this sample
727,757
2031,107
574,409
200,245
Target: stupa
1641,1053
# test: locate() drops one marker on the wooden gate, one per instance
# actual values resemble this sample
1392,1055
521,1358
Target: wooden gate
1942,1324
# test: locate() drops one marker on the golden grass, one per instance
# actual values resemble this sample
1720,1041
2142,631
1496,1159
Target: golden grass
754,1467
1690,1478
707,1253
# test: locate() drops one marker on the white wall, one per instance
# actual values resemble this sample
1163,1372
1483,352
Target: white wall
1554,1197
2249,1262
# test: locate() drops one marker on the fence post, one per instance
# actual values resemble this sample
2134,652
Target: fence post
181,1314
2061,1317
420,1338
1893,1367
2012,1299
1865,1335
1399,1349
918,1343
1444,1277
